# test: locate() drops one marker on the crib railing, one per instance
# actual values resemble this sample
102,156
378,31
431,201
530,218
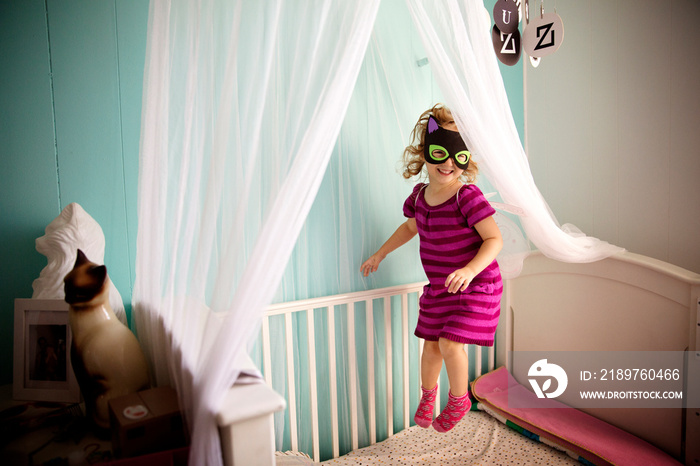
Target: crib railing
326,316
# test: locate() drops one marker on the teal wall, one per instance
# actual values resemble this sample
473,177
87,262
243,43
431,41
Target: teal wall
70,94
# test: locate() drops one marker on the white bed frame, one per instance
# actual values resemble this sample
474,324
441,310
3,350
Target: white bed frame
625,303
656,306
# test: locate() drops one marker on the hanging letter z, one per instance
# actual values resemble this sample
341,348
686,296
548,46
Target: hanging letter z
547,28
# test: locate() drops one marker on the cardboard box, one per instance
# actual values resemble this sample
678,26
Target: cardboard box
146,422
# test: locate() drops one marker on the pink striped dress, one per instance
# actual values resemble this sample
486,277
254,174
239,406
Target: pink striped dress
448,241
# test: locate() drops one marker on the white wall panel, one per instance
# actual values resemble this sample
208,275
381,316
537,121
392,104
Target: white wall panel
612,125
603,130
684,153
644,120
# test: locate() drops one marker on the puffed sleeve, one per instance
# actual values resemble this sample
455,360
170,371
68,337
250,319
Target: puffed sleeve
409,206
474,205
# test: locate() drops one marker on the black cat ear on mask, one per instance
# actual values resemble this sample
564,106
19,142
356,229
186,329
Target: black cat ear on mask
440,144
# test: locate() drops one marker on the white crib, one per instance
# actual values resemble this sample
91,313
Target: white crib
637,289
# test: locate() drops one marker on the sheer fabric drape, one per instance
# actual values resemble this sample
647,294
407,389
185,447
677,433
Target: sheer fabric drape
357,208
241,109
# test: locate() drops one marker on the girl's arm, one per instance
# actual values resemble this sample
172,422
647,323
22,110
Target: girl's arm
460,279
403,234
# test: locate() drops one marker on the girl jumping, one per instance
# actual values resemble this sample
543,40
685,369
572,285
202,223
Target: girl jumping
459,242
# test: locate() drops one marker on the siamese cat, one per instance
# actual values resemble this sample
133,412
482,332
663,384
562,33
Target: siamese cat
106,357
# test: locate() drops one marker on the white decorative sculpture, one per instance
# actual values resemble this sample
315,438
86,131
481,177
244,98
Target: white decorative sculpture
73,229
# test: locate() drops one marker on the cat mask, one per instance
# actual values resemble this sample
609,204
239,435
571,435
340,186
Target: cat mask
441,144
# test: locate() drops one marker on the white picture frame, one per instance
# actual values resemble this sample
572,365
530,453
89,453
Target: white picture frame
42,340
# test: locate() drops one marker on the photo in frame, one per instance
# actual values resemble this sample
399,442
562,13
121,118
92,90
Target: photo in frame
42,339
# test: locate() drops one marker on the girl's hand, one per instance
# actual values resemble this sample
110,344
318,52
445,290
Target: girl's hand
459,280
371,264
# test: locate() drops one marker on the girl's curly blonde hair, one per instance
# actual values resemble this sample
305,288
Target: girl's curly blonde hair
413,154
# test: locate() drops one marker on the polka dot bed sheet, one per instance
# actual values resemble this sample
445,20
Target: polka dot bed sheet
478,439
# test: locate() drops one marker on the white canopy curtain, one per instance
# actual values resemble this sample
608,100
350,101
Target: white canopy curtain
241,111
243,102
358,206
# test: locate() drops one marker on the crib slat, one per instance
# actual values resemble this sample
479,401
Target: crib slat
313,390
406,378
333,380
291,385
267,359
492,358
421,344
477,361
327,304
352,367
389,372
369,312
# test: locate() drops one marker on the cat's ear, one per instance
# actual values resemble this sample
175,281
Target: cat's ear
432,125
81,259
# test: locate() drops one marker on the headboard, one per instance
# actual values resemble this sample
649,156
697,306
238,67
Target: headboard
627,302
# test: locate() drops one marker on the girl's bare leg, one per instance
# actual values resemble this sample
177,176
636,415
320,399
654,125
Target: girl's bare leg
457,365
430,365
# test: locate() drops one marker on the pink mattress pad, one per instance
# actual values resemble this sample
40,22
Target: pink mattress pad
589,437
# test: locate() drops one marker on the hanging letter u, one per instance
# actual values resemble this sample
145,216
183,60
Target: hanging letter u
506,21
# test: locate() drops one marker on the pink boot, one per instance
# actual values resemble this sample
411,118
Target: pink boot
424,413
453,413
